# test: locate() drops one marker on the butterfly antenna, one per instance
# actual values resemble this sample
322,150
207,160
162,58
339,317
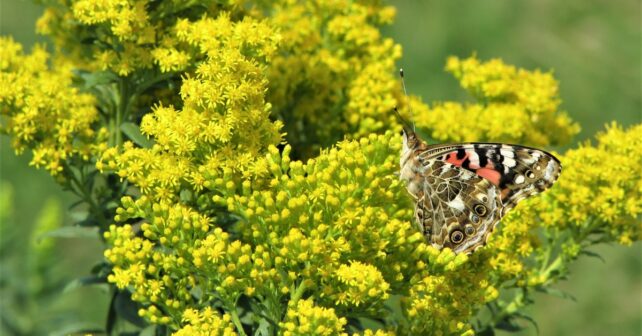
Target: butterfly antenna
403,121
405,92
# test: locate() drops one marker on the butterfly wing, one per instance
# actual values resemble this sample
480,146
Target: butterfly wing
456,208
517,171
463,190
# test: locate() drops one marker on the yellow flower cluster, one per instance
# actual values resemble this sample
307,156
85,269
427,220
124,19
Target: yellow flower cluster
224,123
600,188
205,323
443,304
120,33
43,111
360,283
358,214
305,318
331,76
513,105
334,75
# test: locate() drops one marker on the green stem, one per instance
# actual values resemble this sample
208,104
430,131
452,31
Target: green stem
121,110
237,321
514,305
142,87
296,295
85,195
553,266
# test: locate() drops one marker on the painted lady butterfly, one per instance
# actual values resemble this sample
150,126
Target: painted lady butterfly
463,190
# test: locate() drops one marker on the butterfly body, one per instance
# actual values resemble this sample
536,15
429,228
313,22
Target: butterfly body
461,191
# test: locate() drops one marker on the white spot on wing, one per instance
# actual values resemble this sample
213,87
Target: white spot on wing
507,152
519,179
457,203
548,175
509,162
474,159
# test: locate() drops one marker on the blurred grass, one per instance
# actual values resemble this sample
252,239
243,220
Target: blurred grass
593,47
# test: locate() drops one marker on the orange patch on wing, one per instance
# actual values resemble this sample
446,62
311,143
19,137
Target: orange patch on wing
490,174
452,159
504,193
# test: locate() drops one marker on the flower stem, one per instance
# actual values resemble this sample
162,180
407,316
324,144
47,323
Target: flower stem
237,322
296,295
121,111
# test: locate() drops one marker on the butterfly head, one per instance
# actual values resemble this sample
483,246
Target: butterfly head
410,138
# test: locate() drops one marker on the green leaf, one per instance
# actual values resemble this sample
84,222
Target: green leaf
75,204
186,195
79,215
556,292
111,205
132,131
593,254
101,268
529,319
508,324
92,79
127,309
84,281
112,316
263,328
70,232
149,331
488,331
80,328
196,292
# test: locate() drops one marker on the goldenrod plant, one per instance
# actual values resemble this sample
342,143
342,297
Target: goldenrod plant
240,161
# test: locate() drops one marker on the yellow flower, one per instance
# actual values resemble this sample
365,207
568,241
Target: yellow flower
362,283
205,322
44,111
305,318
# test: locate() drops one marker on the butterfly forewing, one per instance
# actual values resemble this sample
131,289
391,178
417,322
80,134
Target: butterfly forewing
517,171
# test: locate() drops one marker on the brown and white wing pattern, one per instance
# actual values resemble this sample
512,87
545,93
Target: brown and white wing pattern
457,209
463,190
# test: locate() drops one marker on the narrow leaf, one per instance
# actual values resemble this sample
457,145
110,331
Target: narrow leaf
488,331
593,254
84,281
81,328
112,316
132,131
149,331
556,292
529,319
127,309
508,325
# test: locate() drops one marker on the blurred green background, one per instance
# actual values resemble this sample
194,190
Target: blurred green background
593,46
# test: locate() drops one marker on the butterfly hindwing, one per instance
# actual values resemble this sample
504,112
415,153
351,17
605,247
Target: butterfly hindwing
456,208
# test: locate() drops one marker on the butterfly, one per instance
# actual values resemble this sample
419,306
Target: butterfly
461,191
